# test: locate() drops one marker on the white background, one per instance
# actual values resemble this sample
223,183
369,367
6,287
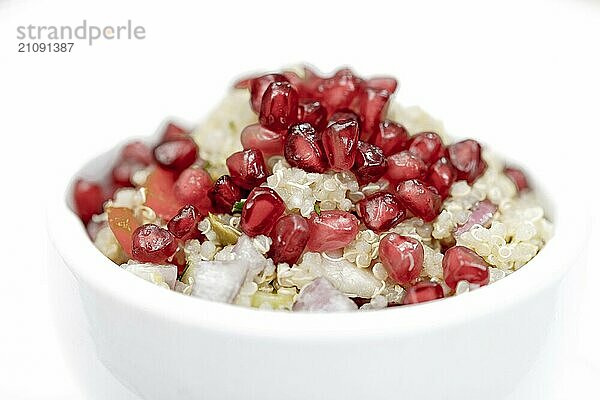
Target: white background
522,76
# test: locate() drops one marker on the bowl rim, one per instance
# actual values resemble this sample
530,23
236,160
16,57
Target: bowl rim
95,271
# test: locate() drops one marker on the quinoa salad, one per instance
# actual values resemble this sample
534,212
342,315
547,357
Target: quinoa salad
304,192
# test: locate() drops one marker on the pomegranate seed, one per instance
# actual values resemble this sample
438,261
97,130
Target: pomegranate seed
153,244
289,236
463,264
247,168
340,141
123,171
137,152
422,201
185,222
518,178
331,230
339,91
314,113
427,146
422,292
176,155
193,187
88,198
369,163
311,83
268,142
391,137
258,87
225,194
381,211
373,103
261,210
174,132
404,166
383,83
279,107
465,156
343,115
303,149
441,176
402,257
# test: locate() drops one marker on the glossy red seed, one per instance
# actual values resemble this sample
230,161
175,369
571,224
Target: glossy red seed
193,187
441,176
422,292
279,107
427,146
174,132
312,81
185,222
270,143
314,113
382,83
259,85
176,155
404,166
304,149
137,152
262,209
225,194
339,91
381,211
333,229
340,140
247,168
153,244
289,235
343,115
373,104
391,137
423,201
465,156
463,264
369,163
518,178
88,199
402,257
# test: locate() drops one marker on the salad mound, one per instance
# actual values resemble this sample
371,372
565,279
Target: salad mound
305,192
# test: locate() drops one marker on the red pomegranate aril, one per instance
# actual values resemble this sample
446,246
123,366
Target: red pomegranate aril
428,146
441,176
391,137
463,264
404,166
518,178
314,113
225,194
262,209
423,201
422,292
382,83
176,155
310,84
88,198
303,149
279,107
137,152
381,211
193,187
343,115
339,91
373,103
122,172
369,163
289,235
174,132
331,230
340,141
153,244
259,85
402,257
247,168
465,156
185,222
270,143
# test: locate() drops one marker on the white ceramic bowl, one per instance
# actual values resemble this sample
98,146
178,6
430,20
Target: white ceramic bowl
128,339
